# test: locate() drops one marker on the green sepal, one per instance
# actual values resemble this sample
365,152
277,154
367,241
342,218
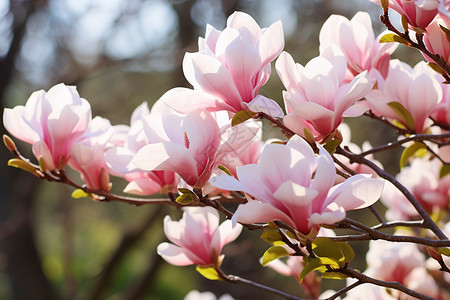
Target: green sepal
392,37
444,171
273,253
241,117
79,193
208,272
404,115
186,198
271,236
437,68
444,251
331,146
308,135
409,152
225,169
185,191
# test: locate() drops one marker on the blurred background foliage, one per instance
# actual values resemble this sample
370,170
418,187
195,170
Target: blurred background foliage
120,53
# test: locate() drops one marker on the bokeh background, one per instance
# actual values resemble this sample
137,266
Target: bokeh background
120,53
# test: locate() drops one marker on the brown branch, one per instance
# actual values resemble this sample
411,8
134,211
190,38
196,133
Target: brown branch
428,222
388,284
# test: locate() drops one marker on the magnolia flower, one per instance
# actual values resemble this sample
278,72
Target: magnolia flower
418,13
87,155
52,122
399,262
422,179
146,128
436,40
229,68
280,187
197,238
196,295
317,92
357,41
194,143
414,89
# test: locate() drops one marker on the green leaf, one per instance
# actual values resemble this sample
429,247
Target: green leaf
186,198
273,253
444,251
311,265
444,171
79,193
333,275
347,251
223,168
325,247
241,117
208,272
392,37
404,115
331,262
271,236
409,152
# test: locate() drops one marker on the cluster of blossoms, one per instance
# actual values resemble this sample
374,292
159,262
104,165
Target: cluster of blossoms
203,144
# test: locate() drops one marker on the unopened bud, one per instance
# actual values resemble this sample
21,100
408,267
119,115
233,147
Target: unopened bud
434,253
9,143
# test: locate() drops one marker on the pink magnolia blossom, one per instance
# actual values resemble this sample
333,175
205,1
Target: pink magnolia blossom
87,155
229,68
317,92
418,13
197,239
436,40
146,128
422,179
441,112
357,41
52,122
194,144
280,187
415,89
400,262
196,295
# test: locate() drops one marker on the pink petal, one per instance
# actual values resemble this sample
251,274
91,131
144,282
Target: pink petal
175,255
266,105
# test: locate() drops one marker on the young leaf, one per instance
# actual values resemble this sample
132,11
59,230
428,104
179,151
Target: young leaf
24,165
271,236
384,4
273,253
444,251
409,152
325,247
241,117
185,191
208,272
186,198
437,68
9,143
223,168
308,135
79,193
404,23
392,37
347,251
332,145
404,115
444,171
311,265
333,275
